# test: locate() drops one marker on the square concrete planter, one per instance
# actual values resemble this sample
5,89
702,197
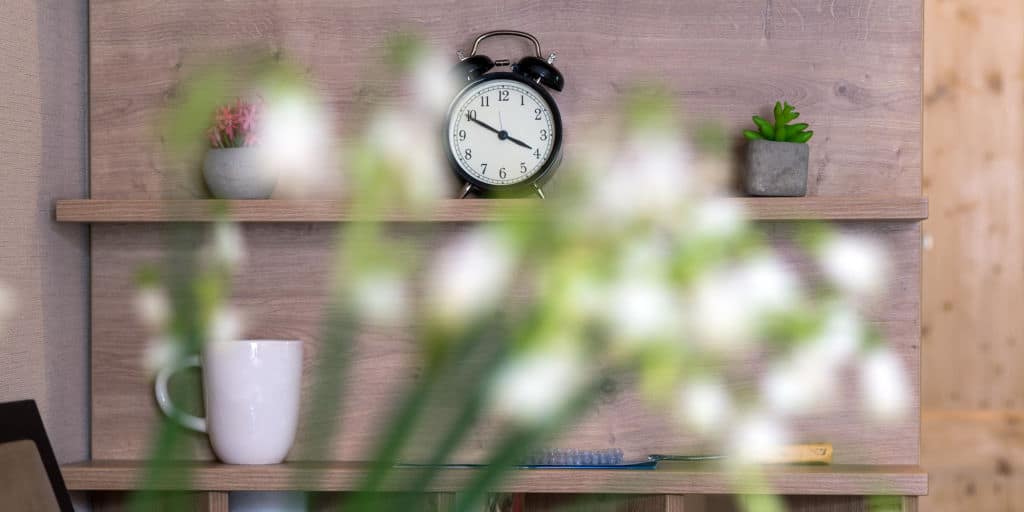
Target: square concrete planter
776,168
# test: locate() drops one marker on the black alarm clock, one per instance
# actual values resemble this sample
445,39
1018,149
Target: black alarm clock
503,129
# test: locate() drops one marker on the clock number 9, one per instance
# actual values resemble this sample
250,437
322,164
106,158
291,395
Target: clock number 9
462,135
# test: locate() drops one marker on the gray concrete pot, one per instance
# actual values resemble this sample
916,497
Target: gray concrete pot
237,173
776,168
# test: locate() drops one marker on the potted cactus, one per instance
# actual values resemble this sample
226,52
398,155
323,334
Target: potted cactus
233,167
777,155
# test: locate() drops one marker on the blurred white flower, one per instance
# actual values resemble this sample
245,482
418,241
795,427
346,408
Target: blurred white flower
717,218
532,387
433,84
705,405
642,310
295,143
228,244
153,307
841,336
721,319
884,386
768,283
855,264
649,179
469,275
381,297
800,384
757,438
160,352
225,325
410,145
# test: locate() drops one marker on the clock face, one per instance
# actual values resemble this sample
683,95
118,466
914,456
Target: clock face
502,132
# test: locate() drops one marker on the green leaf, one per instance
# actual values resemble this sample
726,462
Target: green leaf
766,128
752,135
802,137
778,110
796,128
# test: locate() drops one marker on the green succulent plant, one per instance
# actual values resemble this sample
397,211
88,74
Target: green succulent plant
781,131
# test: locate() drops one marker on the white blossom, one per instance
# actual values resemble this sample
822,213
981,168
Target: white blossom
650,179
381,297
884,386
153,307
532,387
642,310
228,244
225,325
757,438
410,145
841,336
721,320
469,275
717,218
160,352
768,283
433,86
295,143
799,384
705,405
854,264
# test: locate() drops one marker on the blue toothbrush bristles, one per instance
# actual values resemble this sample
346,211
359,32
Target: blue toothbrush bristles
575,457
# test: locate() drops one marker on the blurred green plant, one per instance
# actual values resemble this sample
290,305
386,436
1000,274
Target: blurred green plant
781,130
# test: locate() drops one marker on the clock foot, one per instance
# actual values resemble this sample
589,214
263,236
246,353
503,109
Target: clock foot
466,190
537,189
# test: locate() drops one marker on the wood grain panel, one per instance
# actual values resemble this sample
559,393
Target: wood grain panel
282,291
973,330
853,68
605,503
670,478
455,210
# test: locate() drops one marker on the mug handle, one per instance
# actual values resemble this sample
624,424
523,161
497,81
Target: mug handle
163,398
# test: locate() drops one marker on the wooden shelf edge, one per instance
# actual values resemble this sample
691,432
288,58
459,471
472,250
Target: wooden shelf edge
456,210
672,478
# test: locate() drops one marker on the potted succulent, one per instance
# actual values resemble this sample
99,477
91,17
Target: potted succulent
232,167
777,155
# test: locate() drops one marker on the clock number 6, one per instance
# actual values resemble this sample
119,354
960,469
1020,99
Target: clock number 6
502,174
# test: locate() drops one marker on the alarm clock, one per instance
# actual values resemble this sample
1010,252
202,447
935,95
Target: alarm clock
503,130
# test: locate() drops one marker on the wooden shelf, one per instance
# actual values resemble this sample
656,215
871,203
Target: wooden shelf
455,210
669,478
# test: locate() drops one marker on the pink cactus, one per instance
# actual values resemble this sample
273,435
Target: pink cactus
235,125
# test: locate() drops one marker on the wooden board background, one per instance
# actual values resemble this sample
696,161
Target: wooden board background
973,329
853,67
282,293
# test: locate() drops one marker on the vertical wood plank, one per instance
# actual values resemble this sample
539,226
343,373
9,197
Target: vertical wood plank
605,503
444,502
213,501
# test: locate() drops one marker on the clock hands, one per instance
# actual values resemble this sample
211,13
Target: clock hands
502,134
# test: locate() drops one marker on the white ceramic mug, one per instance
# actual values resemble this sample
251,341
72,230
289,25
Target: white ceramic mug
251,389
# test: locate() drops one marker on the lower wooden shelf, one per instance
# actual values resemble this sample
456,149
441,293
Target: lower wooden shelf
669,478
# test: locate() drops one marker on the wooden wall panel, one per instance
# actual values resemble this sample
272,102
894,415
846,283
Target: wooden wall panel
282,293
973,330
853,67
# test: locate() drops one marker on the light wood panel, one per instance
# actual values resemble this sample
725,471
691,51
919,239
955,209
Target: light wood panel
973,330
282,292
852,67
670,478
454,210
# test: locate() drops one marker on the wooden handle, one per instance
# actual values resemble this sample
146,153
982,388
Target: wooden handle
809,453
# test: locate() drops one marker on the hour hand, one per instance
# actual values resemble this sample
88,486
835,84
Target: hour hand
517,141
481,123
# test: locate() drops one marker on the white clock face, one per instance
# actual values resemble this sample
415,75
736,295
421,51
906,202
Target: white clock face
501,132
